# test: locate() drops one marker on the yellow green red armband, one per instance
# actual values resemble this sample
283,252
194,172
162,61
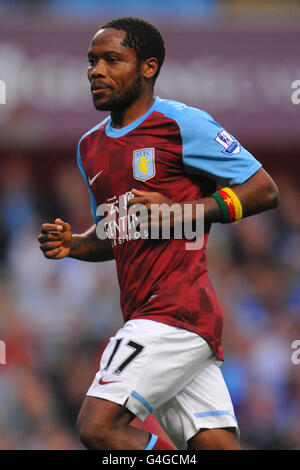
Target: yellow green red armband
230,205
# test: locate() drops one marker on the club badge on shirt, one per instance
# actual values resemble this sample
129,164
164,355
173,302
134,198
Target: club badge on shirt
144,164
230,145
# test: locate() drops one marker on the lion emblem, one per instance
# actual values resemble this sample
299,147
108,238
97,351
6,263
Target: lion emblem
143,165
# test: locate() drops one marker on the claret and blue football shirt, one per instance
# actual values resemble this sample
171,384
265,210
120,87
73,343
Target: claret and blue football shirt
182,153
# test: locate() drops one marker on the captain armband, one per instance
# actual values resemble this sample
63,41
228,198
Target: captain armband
230,205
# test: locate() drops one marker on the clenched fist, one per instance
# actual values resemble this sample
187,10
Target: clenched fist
56,239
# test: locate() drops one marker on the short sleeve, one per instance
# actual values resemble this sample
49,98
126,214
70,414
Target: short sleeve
210,150
92,197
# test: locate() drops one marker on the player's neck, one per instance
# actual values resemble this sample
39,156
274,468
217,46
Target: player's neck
137,109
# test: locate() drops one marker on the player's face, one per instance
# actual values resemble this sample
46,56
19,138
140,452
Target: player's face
116,80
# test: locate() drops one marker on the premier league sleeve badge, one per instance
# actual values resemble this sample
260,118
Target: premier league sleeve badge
231,146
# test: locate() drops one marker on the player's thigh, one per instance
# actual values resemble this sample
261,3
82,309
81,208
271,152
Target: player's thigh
215,439
97,414
204,404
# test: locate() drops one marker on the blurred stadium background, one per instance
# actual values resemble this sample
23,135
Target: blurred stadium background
237,60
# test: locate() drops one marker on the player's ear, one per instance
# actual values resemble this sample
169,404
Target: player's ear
150,67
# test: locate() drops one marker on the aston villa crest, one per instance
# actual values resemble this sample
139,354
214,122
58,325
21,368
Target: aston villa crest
144,164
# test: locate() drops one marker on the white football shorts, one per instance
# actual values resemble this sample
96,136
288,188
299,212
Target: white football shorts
151,367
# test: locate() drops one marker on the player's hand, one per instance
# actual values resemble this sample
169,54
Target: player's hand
56,239
156,216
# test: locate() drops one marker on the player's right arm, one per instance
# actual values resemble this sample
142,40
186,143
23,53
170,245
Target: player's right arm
57,241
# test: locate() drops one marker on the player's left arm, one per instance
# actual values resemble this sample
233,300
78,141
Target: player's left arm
257,194
210,151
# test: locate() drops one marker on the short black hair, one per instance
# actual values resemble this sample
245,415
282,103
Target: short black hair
141,36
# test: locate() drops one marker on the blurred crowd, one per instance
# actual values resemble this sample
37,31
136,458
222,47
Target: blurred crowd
56,316
189,9
78,9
